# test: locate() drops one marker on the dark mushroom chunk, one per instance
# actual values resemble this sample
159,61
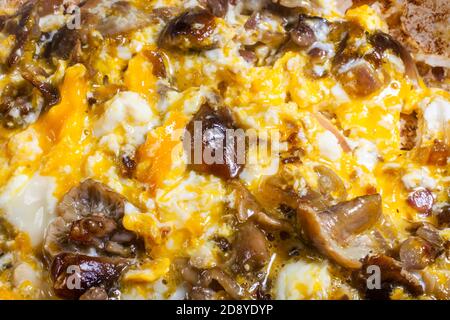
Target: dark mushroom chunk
90,218
416,253
337,232
251,248
231,287
421,200
122,18
443,215
16,112
87,230
303,34
436,154
214,143
157,61
23,25
382,42
218,8
192,30
73,274
65,44
248,208
208,284
49,92
391,273
359,78
421,249
331,185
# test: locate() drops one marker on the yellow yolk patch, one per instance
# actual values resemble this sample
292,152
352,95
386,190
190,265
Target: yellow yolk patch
155,155
140,78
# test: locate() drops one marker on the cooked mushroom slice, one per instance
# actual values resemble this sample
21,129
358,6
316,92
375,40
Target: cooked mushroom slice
250,247
230,286
90,218
392,272
416,253
359,78
249,208
65,44
16,112
212,148
337,231
88,198
206,284
443,215
330,185
73,274
123,18
435,154
218,8
192,30
422,200
382,42
421,250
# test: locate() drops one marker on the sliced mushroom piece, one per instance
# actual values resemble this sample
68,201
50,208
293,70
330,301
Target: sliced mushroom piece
392,272
87,230
304,32
219,8
123,18
359,78
337,231
248,208
90,220
74,274
65,44
231,287
422,200
88,198
250,247
331,185
214,143
416,253
205,284
421,249
192,30
382,42
17,112
49,92
23,25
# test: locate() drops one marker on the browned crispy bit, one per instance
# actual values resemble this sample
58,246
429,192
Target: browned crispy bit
302,34
408,130
218,8
192,30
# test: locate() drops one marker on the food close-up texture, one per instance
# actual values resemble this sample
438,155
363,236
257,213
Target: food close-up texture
225,149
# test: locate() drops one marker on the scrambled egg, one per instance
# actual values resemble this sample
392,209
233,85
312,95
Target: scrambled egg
179,212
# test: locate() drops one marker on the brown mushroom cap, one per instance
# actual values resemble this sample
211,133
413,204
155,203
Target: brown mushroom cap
192,30
335,232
